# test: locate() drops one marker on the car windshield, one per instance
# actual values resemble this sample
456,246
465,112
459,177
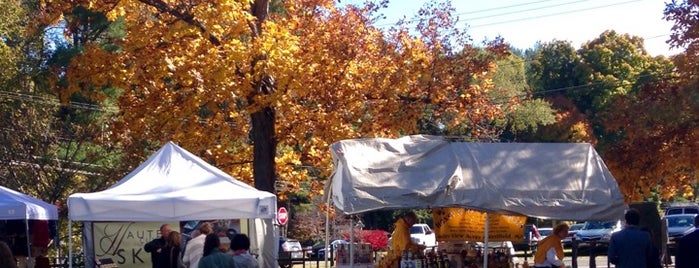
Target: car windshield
545,232
576,227
416,230
684,221
594,225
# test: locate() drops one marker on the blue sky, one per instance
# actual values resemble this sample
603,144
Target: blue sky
524,22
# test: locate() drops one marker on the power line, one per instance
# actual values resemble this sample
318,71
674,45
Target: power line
525,10
477,11
50,100
502,7
518,11
556,14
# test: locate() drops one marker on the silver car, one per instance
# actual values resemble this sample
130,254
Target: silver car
597,232
678,224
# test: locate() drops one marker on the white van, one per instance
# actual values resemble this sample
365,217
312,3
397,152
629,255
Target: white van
422,234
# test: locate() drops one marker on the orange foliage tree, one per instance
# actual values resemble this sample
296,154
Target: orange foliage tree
261,95
660,123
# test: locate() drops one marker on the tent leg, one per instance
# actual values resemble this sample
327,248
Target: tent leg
351,245
70,243
29,245
485,245
327,229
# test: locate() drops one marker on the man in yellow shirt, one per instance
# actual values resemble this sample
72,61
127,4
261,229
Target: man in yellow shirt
400,240
549,251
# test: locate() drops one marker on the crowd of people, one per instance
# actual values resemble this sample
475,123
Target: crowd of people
204,250
631,247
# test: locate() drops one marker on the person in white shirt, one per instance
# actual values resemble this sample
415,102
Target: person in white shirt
195,247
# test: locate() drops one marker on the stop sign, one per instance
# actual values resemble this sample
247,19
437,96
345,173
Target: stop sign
282,216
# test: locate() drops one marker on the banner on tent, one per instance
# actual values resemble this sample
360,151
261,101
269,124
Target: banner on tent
123,241
460,224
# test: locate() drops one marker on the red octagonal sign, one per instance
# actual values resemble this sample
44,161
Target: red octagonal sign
282,216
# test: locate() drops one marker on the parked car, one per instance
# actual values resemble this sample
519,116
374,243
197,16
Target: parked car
597,232
290,252
544,232
678,224
422,234
320,249
689,208
568,241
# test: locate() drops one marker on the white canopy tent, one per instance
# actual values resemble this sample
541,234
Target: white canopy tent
175,185
18,206
565,181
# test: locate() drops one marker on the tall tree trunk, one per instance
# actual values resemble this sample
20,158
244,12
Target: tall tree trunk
265,146
264,142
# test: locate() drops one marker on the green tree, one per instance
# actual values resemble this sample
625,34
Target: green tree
511,83
555,73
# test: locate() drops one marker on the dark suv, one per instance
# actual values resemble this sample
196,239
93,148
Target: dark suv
290,252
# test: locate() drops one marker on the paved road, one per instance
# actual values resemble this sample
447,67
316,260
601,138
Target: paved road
583,262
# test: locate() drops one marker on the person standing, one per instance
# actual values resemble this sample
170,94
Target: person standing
7,259
156,247
213,256
171,254
630,247
195,247
687,246
401,241
240,245
549,251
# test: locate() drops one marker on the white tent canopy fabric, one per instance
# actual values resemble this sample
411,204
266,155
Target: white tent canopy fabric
565,181
18,206
173,185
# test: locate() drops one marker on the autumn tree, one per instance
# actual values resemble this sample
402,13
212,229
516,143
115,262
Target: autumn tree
658,150
262,95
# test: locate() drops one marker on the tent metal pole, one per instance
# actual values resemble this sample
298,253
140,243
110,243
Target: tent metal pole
29,245
351,245
70,243
485,246
327,226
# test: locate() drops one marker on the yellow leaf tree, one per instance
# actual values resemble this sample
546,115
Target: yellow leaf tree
262,95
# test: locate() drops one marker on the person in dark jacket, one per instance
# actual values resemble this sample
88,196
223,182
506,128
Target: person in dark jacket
156,247
687,246
630,247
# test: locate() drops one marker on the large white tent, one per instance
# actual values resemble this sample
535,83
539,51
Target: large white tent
565,181
175,185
